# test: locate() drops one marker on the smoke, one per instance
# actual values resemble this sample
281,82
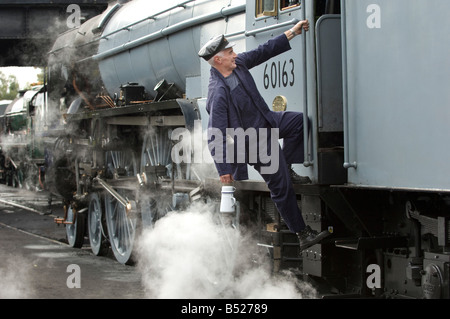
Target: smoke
190,254
7,142
14,280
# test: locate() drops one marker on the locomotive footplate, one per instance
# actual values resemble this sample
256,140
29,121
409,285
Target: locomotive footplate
129,109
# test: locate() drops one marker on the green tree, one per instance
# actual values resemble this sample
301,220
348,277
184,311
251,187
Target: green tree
9,87
40,76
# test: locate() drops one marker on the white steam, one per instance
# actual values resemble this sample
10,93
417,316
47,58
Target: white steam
190,255
14,279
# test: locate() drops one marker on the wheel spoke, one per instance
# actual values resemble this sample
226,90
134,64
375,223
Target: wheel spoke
121,236
122,163
121,227
156,148
95,226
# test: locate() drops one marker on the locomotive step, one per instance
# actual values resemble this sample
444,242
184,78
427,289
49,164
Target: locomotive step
371,242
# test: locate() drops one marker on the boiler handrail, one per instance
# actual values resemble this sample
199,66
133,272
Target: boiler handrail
152,17
189,23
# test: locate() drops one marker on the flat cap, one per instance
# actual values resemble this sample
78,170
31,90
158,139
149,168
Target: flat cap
214,46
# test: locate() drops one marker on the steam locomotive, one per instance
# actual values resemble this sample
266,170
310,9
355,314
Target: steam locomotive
370,75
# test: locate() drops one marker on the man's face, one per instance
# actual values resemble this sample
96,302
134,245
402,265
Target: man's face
227,59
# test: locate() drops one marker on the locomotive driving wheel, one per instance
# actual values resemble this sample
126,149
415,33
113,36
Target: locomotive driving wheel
156,151
121,228
155,163
96,226
75,227
121,224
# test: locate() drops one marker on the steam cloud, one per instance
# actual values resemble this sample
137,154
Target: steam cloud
14,281
189,255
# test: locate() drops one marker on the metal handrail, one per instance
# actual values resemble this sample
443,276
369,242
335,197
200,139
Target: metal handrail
307,152
271,27
106,18
347,163
152,17
224,12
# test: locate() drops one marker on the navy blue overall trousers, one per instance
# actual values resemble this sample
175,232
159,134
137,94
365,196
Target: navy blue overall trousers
290,125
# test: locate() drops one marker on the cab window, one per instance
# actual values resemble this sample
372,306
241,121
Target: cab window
270,7
288,4
266,8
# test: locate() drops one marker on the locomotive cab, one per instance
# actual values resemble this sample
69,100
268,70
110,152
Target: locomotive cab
306,79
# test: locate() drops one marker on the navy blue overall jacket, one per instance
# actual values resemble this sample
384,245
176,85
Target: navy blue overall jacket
223,113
